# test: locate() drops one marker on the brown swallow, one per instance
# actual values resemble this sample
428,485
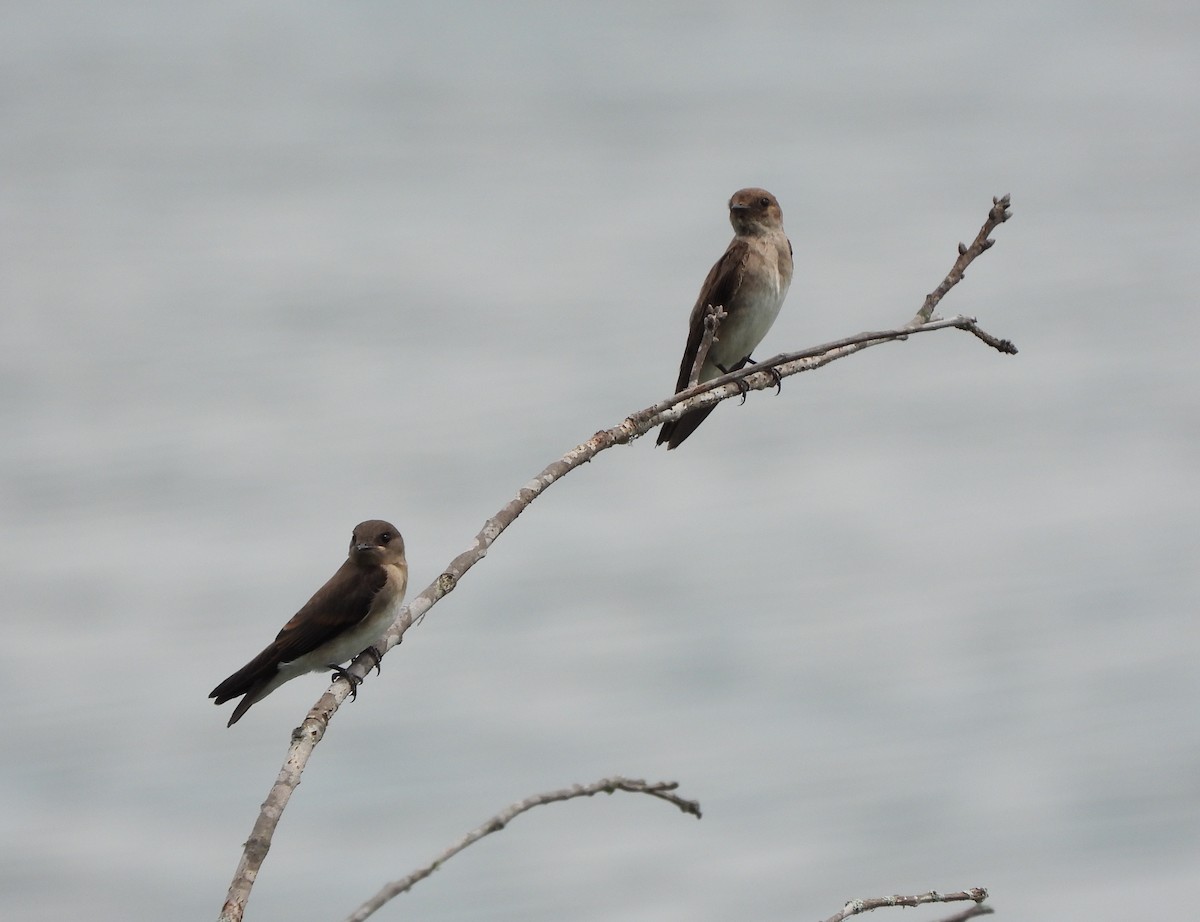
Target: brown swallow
749,282
344,616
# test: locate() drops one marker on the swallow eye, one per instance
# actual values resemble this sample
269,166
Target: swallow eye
385,537
764,201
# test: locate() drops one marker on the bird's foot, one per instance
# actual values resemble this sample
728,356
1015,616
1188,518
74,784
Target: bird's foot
343,673
778,379
743,387
374,651
772,372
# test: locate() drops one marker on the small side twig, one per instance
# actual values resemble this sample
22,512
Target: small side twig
976,895
661,789
1000,213
713,315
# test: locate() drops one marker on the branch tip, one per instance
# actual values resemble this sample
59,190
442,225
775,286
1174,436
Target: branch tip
976,895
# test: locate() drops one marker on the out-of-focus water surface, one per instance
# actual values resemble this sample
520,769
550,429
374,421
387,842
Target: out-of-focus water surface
925,620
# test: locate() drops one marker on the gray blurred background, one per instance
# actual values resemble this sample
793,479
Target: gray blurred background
926,620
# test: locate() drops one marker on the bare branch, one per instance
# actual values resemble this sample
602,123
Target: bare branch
753,377
304,739
660,789
758,377
976,895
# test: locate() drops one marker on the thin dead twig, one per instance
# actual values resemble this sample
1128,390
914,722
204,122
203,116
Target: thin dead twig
1001,212
713,315
664,790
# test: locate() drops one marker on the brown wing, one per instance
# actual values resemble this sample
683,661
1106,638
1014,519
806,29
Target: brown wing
340,604
720,285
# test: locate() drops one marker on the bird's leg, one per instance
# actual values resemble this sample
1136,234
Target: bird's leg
343,673
742,385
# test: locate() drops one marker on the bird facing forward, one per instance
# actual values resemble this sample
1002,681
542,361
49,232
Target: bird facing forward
749,282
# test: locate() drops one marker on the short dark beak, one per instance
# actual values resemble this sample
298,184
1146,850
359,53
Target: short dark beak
739,207
365,548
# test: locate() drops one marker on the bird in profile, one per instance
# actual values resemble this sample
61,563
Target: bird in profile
749,282
345,615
